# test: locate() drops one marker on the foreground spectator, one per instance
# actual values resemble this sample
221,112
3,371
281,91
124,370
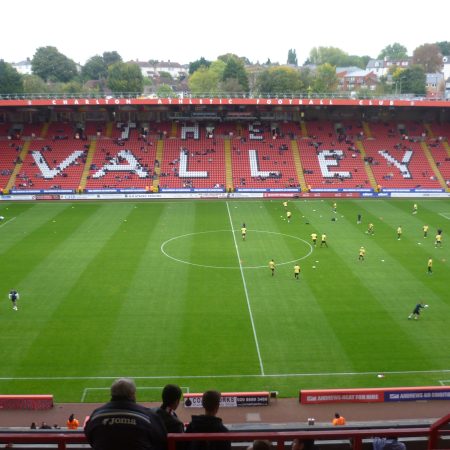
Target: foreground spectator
208,423
388,444
171,396
260,445
303,444
123,424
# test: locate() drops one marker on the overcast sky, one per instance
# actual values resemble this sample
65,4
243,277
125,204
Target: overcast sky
184,31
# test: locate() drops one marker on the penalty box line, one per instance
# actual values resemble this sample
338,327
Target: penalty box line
86,391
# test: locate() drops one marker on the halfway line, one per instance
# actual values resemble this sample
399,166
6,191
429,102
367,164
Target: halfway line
246,293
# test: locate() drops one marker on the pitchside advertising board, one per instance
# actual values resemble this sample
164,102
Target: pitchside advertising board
400,394
230,399
26,401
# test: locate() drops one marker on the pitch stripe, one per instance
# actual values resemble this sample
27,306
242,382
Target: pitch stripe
246,292
193,377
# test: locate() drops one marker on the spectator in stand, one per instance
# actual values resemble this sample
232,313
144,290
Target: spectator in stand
33,426
124,424
72,423
171,396
45,426
208,423
338,419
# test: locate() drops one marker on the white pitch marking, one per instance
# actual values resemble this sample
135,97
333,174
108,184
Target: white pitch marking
162,248
273,375
246,293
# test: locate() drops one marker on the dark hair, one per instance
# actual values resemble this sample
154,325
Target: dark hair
211,400
171,393
337,415
261,445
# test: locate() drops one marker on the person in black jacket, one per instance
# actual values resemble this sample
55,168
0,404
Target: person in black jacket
208,423
123,424
171,396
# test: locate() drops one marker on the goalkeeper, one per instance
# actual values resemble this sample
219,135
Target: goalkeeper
416,311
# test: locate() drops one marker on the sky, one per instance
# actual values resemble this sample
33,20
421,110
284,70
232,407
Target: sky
184,31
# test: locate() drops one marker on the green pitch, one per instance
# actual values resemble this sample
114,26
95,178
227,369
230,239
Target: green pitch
169,292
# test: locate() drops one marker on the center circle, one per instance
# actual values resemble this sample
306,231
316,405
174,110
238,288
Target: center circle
185,248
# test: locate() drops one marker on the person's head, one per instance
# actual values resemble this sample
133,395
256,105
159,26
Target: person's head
33,425
302,444
171,395
211,402
71,417
123,389
260,445
337,415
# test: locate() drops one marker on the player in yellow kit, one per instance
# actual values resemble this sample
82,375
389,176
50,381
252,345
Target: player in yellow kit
438,240
243,231
272,266
314,238
296,271
362,253
399,233
425,230
430,266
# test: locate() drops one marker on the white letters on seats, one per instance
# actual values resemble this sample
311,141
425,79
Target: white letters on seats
115,166
183,171
403,166
193,129
255,133
330,158
254,166
48,173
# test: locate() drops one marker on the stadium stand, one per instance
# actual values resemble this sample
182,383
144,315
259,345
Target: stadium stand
397,158
52,164
330,157
319,154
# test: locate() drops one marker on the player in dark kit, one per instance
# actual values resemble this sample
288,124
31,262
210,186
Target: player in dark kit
416,311
14,296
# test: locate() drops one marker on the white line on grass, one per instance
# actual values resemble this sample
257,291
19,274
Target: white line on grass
445,215
246,292
8,221
138,388
163,250
203,377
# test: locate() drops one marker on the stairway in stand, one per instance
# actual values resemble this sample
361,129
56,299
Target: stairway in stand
367,167
87,166
159,157
298,166
228,165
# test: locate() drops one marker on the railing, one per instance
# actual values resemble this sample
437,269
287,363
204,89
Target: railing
354,437
251,95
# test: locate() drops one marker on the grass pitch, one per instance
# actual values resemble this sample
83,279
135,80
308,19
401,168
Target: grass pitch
169,292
